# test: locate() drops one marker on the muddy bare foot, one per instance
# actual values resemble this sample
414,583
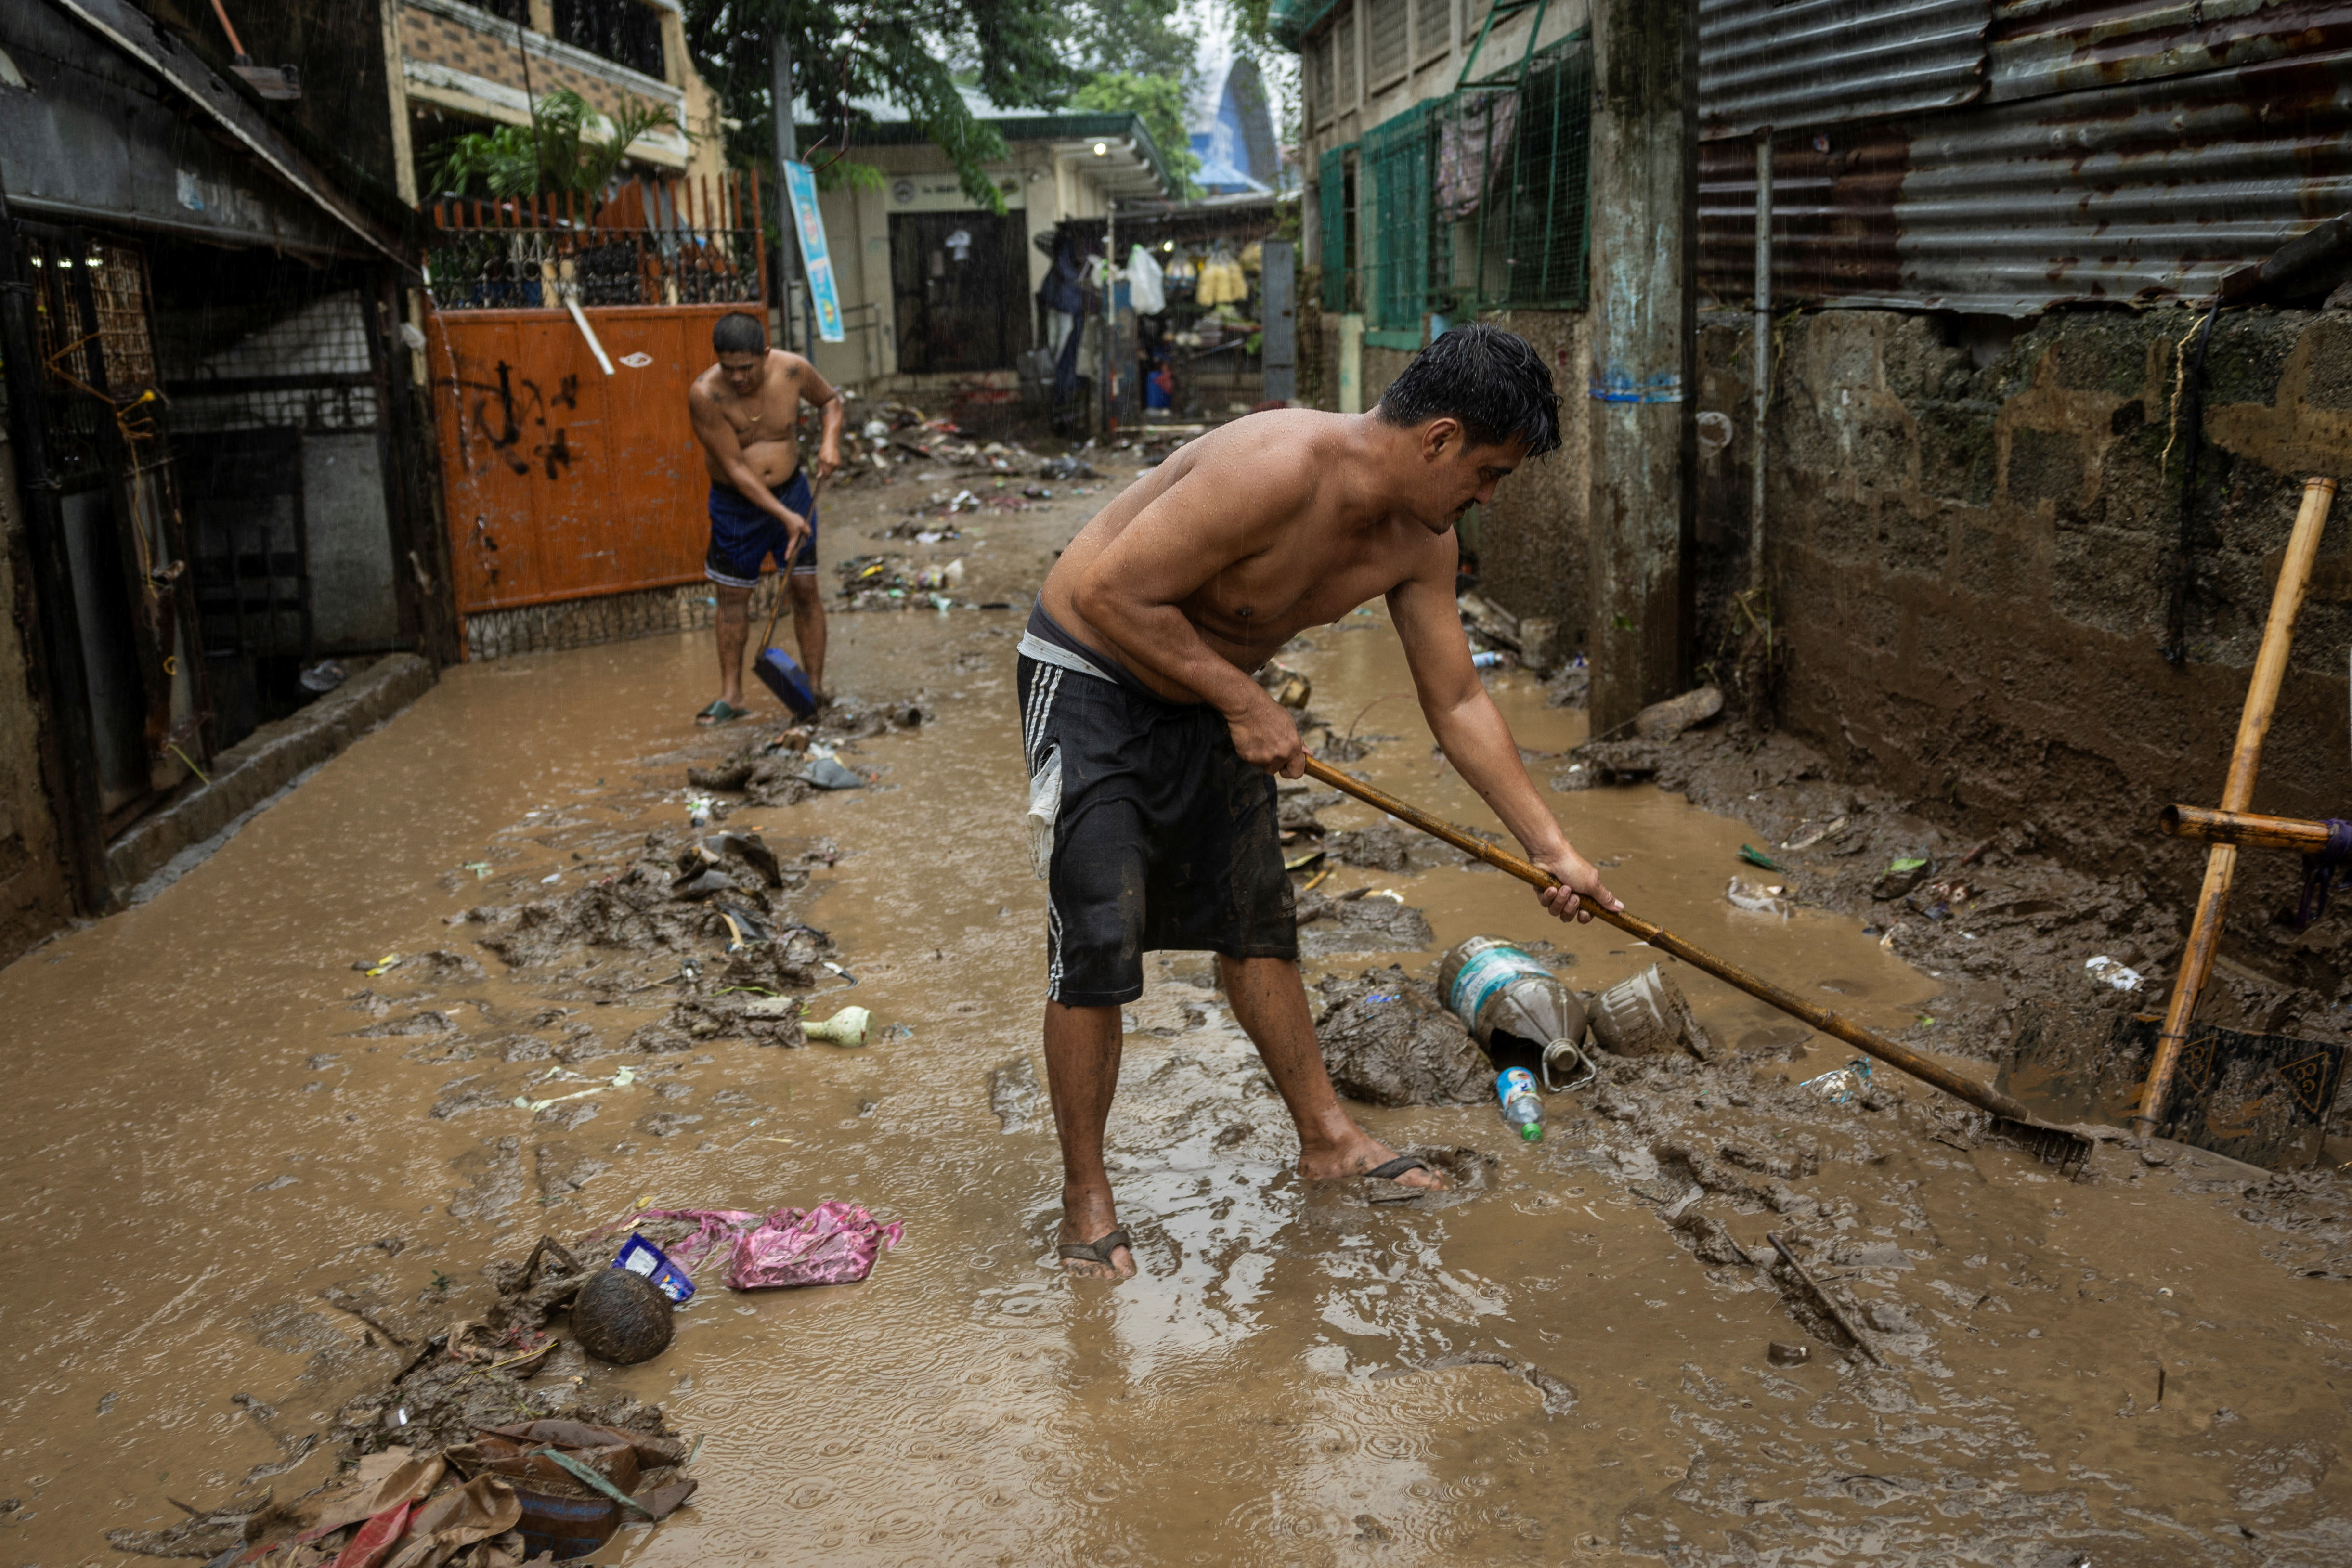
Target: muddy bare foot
1091,1241
1363,1156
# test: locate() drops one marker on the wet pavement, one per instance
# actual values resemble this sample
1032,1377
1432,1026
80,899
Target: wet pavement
216,1116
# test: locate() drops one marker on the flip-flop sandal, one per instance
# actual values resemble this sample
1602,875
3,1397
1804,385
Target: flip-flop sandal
1099,1249
722,711
1388,1171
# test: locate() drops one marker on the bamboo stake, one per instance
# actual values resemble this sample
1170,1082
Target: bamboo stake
2237,793
2244,829
2012,1121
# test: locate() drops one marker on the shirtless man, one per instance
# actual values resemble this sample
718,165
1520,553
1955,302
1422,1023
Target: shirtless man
1152,753
746,410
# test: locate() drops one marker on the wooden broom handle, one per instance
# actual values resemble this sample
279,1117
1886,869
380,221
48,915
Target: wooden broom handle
1926,1069
2237,794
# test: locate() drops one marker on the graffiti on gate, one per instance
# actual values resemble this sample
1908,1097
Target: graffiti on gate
553,454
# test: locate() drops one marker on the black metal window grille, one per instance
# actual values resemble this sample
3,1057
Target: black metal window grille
668,241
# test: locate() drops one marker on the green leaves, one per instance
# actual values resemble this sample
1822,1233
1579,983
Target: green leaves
558,151
1160,102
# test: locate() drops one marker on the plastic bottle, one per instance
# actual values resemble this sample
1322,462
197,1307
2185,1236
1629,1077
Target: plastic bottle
1515,1087
1497,989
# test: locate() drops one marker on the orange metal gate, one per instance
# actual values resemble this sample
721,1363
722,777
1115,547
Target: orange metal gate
562,482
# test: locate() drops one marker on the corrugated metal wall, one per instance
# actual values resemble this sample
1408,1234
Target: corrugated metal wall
2093,150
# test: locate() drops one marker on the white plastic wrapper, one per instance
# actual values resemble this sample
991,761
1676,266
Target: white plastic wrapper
1044,805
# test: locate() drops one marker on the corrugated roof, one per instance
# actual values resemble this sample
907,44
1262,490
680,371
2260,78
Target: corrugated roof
1788,62
2148,189
2041,47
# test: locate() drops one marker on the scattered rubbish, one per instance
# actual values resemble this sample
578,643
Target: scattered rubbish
1754,856
1780,1352
1648,1016
1284,685
2113,972
1582,1069
835,1243
639,1256
1821,1299
826,773
381,965
1488,660
1522,1108
322,677
1900,877
1807,840
1842,1085
479,868
1507,997
1307,861
551,878
829,964
622,1317
846,1028
1664,721
1741,894
699,808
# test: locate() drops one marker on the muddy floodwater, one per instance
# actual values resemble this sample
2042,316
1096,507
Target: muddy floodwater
225,1148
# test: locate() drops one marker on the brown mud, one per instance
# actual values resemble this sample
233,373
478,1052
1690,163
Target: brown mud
229,1154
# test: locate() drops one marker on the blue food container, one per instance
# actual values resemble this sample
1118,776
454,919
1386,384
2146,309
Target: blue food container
639,1256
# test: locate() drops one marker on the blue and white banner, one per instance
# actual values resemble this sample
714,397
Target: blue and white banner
816,261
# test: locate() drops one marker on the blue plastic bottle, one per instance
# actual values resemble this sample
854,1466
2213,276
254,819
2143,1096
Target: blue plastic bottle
1515,1087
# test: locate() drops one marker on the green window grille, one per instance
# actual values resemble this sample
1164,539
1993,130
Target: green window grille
1512,187
1476,201
1331,199
1394,167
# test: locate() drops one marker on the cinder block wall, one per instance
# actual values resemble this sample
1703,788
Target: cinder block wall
1971,567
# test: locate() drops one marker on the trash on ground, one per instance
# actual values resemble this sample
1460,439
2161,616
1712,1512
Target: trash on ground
827,773
1522,1106
1741,894
1757,857
2113,972
835,1243
1665,720
322,677
639,1256
1900,877
1780,1352
1842,1085
622,1317
1505,995
846,1028
1284,685
1648,1016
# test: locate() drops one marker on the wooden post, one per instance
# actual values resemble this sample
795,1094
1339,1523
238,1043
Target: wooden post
2237,794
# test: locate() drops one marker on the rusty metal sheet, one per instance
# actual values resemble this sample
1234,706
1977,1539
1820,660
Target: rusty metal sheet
561,482
1816,62
2043,46
2144,191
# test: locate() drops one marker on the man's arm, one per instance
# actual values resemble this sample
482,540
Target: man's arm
717,438
815,389
1131,593
1474,738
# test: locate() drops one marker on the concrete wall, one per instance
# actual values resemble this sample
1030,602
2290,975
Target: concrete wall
1531,541
34,897
1970,547
354,602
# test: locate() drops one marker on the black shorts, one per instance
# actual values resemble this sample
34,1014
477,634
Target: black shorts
1163,837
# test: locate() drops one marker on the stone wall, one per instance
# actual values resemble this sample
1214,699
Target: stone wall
1971,550
1531,540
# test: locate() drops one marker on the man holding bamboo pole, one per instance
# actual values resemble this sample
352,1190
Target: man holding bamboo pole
1152,753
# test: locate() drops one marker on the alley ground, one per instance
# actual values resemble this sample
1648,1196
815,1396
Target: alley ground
216,1116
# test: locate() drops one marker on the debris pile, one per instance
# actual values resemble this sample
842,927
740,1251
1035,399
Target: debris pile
491,1447
1387,1040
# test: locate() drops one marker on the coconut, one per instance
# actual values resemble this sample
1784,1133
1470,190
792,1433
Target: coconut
622,1318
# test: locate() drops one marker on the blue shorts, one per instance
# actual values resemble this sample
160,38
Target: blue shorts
743,536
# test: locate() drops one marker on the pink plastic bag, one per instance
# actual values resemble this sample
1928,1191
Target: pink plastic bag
835,1243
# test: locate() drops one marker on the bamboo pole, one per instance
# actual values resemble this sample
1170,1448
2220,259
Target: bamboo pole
2244,829
2237,793
2053,1144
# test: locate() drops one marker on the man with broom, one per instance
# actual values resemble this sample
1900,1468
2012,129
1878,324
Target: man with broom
1152,753
745,412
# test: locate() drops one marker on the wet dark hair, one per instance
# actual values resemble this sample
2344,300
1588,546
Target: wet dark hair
740,332
1490,380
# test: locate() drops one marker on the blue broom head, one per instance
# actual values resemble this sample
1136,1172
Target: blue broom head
781,673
